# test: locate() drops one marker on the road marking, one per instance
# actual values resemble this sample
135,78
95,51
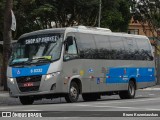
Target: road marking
13,107
18,107
29,110
151,94
124,101
32,106
118,107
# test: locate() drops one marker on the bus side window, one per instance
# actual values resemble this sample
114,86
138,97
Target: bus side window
144,49
70,48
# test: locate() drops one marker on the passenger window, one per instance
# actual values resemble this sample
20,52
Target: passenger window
70,48
103,46
144,49
86,46
131,49
143,44
117,47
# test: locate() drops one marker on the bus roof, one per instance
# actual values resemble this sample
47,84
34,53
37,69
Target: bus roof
58,30
82,29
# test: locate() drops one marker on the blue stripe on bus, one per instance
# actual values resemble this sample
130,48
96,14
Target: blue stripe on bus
123,75
30,71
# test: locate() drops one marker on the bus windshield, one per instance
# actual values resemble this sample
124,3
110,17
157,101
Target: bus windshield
37,49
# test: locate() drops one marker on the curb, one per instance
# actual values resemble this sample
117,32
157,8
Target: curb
4,94
151,89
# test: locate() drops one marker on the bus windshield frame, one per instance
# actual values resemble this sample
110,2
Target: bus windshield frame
37,49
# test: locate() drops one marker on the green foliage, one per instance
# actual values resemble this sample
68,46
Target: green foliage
116,14
1,19
41,14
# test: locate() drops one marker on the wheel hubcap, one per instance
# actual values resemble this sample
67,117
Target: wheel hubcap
131,89
73,92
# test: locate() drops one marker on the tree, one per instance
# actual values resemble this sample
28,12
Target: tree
38,14
7,36
147,11
33,15
1,19
116,14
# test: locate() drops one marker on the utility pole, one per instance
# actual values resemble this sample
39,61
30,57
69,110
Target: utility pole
100,8
7,36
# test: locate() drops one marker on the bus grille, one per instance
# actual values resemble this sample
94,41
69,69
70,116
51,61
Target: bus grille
35,80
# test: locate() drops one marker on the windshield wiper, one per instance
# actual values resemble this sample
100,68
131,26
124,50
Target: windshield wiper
42,59
20,63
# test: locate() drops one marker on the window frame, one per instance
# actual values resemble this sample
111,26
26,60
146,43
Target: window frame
74,40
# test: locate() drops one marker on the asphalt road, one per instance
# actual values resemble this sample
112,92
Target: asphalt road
145,101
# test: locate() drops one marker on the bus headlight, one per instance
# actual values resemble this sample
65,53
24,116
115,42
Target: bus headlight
50,75
11,80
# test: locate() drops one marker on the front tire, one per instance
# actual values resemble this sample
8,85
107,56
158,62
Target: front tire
130,93
73,94
26,100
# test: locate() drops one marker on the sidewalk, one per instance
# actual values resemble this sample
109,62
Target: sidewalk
2,90
157,87
3,93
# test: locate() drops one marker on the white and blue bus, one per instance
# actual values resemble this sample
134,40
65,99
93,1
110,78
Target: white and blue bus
67,62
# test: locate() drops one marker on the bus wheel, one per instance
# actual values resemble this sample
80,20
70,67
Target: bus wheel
90,97
26,100
130,93
73,94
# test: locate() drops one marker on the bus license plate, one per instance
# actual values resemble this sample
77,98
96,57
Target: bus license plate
29,84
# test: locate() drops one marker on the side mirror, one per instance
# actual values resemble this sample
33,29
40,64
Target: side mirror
69,40
66,57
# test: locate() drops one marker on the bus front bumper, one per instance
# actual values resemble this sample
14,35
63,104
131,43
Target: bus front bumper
46,87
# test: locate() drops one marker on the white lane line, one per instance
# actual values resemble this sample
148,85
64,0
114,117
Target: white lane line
118,107
33,106
129,108
9,109
151,94
18,107
29,110
124,101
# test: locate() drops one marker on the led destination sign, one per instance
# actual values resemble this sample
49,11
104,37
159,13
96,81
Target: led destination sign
42,39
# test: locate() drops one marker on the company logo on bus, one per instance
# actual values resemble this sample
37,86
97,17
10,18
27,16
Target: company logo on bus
90,70
28,78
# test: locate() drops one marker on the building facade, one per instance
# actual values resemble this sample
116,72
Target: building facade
136,28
